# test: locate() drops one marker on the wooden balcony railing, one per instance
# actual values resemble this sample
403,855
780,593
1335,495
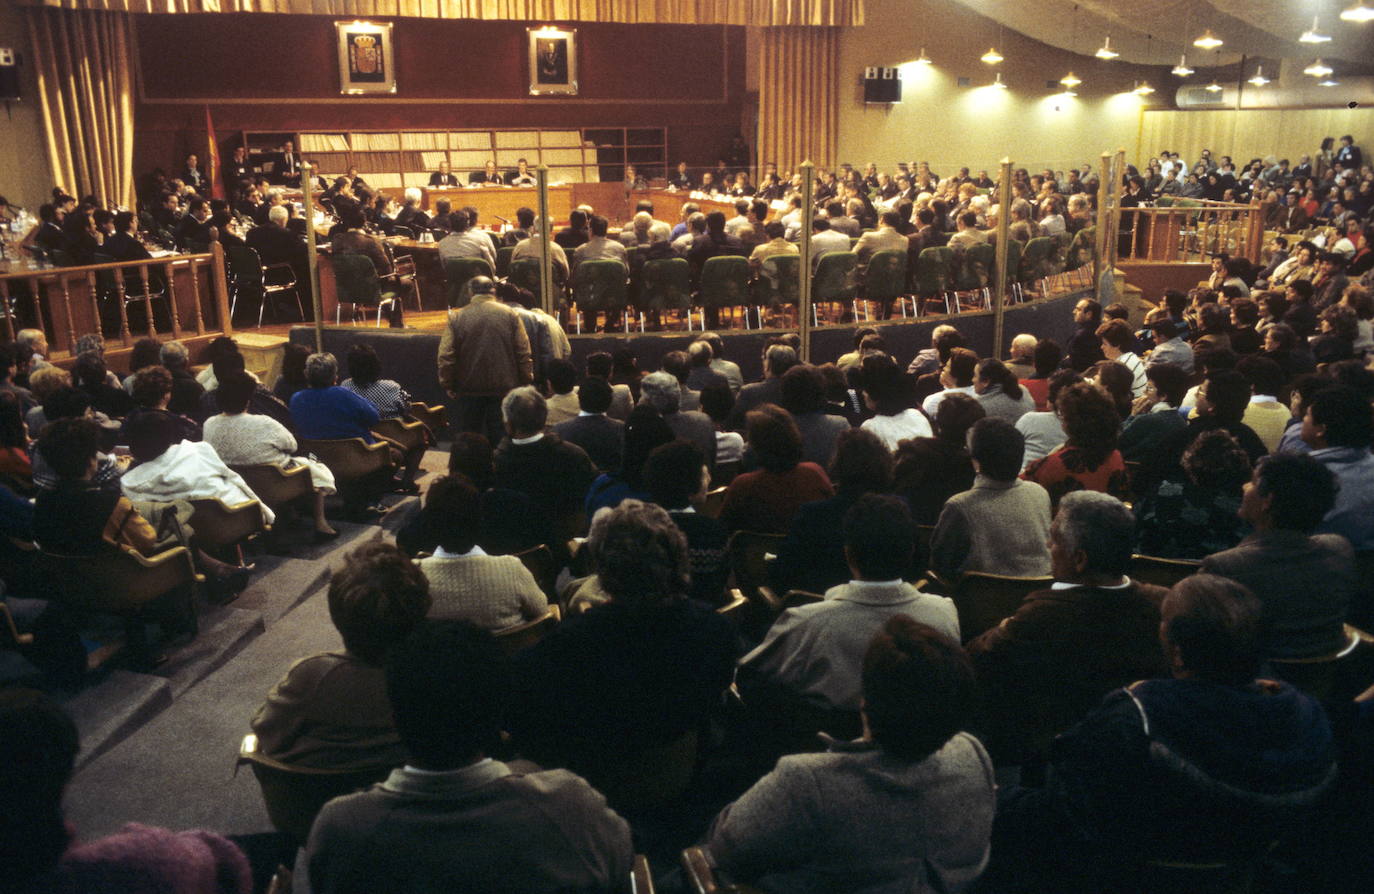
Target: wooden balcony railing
1189,231
190,291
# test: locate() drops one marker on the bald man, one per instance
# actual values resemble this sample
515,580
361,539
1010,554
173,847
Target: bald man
1022,361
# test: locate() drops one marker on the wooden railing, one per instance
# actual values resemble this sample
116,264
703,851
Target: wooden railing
1189,231
67,302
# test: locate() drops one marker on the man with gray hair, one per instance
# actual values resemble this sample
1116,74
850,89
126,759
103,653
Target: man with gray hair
662,391
696,226
37,341
186,391
1022,362
483,353
777,359
1093,630
275,244
554,474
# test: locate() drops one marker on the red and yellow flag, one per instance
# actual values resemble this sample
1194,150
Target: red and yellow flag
212,158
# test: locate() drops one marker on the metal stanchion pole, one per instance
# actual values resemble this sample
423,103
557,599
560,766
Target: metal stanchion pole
308,205
808,172
1000,267
541,175
1104,191
1119,172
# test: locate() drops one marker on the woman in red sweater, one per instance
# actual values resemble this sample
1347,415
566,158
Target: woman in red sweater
766,499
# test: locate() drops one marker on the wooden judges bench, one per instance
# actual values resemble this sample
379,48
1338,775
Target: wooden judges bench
609,199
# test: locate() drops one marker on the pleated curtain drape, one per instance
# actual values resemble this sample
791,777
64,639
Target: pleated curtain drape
83,61
683,12
798,96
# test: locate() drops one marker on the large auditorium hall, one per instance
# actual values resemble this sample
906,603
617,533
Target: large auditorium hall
694,446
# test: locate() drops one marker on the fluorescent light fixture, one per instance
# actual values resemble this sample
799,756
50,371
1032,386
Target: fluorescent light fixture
1318,69
1105,51
1313,35
1259,80
998,82
923,59
1070,81
991,57
1328,83
1358,13
1213,87
1208,40
1181,70
1143,89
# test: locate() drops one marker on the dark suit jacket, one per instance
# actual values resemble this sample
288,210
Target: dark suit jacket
753,396
1045,667
1304,584
602,438
123,247
812,556
235,172
706,541
705,247
276,245
477,178
440,179
555,475
697,427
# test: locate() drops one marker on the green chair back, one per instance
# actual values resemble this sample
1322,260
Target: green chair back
837,277
1015,248
1035,261
457,272
725,282
525,274
931,276
886,276
1082,248
782,275
980,261
503,255
601,285
355,279
667,285
961,273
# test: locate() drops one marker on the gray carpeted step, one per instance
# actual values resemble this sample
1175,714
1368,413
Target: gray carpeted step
218,641
114,708
178,769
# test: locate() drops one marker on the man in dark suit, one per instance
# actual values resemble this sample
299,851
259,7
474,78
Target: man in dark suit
662,391
288,164
1045,667
442,177
713,243
601,437
487,177
676,478
195,228
192,175
124,245
1304,581
777,360
1085,348
680,179
237,170
275,244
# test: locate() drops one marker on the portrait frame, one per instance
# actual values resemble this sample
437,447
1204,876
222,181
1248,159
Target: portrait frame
552,61
367,63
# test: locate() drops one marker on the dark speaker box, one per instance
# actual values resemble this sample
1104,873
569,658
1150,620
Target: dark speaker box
9,75
882,85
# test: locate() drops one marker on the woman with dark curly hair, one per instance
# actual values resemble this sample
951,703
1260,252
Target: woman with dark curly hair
928,471
1197,517
1116,382
1089,459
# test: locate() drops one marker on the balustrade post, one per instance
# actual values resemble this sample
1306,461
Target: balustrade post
999,294
804,305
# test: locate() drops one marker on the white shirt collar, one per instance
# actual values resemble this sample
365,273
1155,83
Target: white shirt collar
1263,399
441,553
418,772
585,413
530,440
1064,585
875,584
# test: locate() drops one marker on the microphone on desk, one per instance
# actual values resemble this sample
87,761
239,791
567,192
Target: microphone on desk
500,218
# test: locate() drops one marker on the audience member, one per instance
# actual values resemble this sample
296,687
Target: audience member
663,392
676,478
1155,415
602,437
1001,525
1045,667
483,354
803,395
1339,426
541,465
928,471
956,377
1089,459
1194,518
908,806
767,499
330,711
1000,393
452,812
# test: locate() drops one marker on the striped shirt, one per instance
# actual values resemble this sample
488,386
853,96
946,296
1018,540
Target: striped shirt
390,399
1137,368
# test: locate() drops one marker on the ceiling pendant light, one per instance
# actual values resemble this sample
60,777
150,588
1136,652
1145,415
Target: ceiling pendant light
1314,36
1358,13
1143,88
998,82
1181,70
1259,80
1208,40
991,57
1328,83
1213,87
923,59
1318,69
1105,51
1070,80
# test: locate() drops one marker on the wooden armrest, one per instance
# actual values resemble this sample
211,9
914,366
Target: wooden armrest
23,639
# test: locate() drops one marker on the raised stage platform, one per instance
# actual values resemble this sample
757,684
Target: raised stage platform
410,355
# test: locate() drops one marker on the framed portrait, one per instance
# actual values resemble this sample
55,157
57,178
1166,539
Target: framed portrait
366,62
553,61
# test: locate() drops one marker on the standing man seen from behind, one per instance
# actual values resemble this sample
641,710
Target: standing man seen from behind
483,354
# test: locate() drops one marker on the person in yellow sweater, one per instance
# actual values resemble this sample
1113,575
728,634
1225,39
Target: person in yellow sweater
1265,414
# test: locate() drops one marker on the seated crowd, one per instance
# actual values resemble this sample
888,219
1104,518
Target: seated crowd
531,737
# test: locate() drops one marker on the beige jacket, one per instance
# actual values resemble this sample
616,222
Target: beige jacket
484,350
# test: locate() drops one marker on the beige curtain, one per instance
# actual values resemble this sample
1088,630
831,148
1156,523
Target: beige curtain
85,90
798,96
684,12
